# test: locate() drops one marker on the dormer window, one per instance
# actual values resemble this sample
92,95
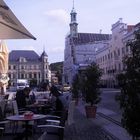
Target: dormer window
22,59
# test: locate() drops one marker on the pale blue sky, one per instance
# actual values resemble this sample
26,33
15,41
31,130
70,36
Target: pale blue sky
48,21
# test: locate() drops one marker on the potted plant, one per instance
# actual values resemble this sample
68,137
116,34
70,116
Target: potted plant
90,88
75,88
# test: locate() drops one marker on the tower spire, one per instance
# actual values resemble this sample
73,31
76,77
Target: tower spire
73,4
73,23
43,48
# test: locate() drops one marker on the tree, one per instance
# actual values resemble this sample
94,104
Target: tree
58,67
129,82
90,84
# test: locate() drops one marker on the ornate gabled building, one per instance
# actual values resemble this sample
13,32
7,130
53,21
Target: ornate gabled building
26,64
80,48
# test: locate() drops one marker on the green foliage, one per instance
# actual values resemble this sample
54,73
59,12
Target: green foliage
33,83
129,82
90,83
58,67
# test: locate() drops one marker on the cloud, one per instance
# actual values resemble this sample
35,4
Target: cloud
59,15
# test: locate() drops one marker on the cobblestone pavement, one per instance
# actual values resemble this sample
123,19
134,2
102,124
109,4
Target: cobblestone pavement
85,129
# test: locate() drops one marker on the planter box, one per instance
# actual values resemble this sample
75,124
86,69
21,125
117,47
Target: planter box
91,111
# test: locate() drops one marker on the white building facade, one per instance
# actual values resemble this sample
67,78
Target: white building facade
110,59
80,48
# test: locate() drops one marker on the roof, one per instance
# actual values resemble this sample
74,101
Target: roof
137,25
84,38
44,54
130,28
29,55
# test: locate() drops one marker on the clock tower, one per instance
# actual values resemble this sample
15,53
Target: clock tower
73,24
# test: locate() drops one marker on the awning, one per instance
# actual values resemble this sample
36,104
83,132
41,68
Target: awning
10,26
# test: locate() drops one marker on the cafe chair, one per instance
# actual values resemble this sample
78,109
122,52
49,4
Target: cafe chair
54,128
59,123
16,111
3,106
3,122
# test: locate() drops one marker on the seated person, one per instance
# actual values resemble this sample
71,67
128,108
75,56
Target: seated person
21,99
32,98
58,101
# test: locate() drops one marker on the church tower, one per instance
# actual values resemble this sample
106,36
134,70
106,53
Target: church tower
45,67
73,24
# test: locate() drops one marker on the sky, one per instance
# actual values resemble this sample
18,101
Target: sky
48,21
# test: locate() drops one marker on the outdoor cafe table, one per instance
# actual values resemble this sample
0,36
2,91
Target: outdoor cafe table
38,108
26,120
42,100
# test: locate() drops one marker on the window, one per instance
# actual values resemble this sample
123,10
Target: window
14,76
32,66
34,75
9,76
22,76
30,75
123,52
18,76
22,67
9,67
105,57
74,16
108,56
111,54
35,67
118,52
114,53
14,67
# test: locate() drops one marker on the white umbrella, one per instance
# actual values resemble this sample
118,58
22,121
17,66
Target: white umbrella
3,66
4,54
10,26
3,57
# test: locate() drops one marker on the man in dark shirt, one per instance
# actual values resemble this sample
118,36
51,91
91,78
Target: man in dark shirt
57,102
21,99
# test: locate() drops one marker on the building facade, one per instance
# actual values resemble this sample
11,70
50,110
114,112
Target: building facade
110,59
80,48
25,64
